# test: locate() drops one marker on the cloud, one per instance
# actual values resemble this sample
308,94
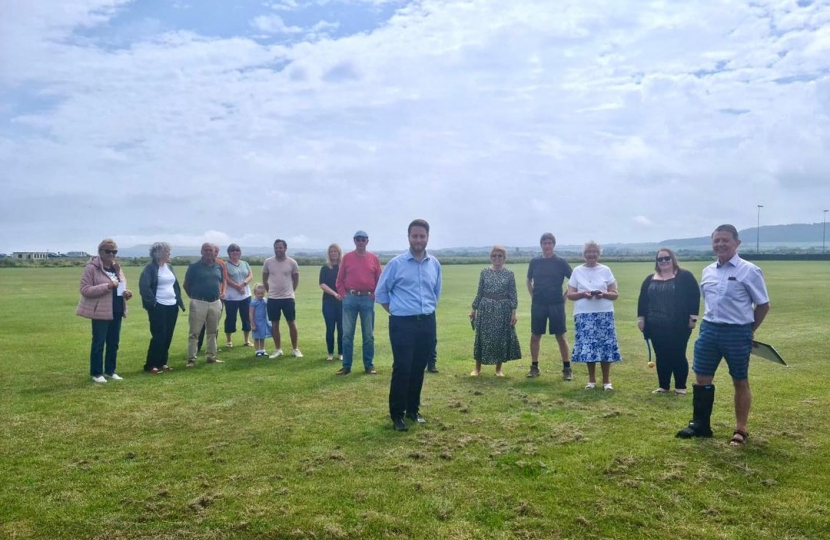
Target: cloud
495,121
273,24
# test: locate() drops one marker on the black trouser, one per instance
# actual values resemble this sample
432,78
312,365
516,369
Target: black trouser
162,325
670,349
413,341
231,308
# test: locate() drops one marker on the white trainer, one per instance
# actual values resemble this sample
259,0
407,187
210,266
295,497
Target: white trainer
607,387
99,379
276,354
297,353
114,377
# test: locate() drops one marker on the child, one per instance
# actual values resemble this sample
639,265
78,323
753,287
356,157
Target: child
260,325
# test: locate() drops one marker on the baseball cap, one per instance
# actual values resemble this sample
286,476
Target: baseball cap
360,234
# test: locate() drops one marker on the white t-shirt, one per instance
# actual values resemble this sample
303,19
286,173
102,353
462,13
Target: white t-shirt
597,278
165,294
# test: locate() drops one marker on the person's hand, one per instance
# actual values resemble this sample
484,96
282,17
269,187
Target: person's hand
692,323
641,324
253,326
587,294
513,319
472,314
127,294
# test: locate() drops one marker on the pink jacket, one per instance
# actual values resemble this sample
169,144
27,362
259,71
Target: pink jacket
96,296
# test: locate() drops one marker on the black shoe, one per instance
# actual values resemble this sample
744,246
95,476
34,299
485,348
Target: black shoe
694,430
416,418
432,369
343,371
398,424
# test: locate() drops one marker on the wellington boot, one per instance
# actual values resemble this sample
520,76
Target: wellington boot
702,402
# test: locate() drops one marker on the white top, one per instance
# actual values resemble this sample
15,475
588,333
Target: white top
731,291
280,280
597,278
165,295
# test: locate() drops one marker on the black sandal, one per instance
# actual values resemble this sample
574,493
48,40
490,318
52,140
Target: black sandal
739,438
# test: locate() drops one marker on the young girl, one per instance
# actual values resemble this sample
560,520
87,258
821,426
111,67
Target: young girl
260,325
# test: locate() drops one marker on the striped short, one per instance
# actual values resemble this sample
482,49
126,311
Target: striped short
731,342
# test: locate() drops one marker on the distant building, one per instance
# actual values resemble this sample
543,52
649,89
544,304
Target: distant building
30,255
77,254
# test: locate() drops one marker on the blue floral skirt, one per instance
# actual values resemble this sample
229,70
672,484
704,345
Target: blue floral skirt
596,338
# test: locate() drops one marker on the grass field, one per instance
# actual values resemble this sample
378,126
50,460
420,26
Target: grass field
282,448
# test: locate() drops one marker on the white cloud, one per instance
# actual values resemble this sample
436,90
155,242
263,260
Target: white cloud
495,121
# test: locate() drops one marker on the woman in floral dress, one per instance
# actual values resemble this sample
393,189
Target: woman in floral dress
494,315
593,289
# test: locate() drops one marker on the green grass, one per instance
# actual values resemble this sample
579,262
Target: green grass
284,449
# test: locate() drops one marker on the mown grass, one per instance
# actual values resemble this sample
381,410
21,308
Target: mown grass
284,449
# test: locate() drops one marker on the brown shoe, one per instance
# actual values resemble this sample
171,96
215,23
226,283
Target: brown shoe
371,371
214,361
343,371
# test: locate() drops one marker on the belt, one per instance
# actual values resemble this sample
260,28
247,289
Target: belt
495,296
726,325
361,293
422,317
214,299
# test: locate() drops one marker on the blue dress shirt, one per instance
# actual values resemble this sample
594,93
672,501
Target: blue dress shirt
410,287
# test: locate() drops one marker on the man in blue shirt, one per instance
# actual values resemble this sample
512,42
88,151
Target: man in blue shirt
408,290
735,304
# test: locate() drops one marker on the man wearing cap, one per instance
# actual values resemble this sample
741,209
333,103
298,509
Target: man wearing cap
204,283
356,281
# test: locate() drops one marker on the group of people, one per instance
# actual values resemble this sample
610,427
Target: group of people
409,287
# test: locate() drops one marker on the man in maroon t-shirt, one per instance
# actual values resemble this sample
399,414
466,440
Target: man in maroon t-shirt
356,281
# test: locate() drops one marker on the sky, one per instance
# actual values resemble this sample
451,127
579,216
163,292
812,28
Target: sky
244,121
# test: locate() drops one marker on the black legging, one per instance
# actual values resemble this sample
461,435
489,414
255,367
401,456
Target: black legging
670,349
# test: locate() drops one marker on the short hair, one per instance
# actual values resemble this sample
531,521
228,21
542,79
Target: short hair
418,223
498,249
727,228
548,236
107,243
673,259
591,244
158,249
259,286
234,247
339,254
281,241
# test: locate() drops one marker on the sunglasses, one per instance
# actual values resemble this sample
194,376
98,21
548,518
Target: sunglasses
110,251
234,251
497,256
663,259
360,239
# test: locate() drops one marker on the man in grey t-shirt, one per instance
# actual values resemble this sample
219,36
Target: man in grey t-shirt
280,276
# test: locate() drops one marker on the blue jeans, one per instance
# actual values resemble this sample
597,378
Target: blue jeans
352,307
333,315
104,333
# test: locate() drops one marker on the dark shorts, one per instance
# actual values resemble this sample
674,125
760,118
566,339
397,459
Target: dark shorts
551,316
284,305
732,343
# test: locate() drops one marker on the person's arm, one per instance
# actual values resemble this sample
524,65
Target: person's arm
186,285
326,289
642,304
252,317
477,299
530,287
340,282
514,298
611,293
265,275
574,295
759,314
88,286
295,279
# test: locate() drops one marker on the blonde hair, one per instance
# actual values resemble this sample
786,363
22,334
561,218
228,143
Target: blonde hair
339,255
107,243
499,249
258,287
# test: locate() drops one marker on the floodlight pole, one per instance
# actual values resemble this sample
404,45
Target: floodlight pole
823,232
758,231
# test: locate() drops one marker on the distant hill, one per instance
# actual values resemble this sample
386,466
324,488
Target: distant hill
800,236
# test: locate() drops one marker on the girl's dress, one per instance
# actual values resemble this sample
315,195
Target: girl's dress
263,325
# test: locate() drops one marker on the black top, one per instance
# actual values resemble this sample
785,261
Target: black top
548,276
328,276
203,280
668,303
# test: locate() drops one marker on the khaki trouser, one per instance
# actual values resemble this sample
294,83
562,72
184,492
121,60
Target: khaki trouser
205,314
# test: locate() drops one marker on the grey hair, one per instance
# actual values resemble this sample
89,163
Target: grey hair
157,249
591,243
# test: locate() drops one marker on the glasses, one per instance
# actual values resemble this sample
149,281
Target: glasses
497,256
360,239
110,251
234,251
663,259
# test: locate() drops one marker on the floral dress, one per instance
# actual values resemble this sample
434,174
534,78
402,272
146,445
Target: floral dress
494,303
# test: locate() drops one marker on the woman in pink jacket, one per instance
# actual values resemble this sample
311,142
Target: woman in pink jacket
104,296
